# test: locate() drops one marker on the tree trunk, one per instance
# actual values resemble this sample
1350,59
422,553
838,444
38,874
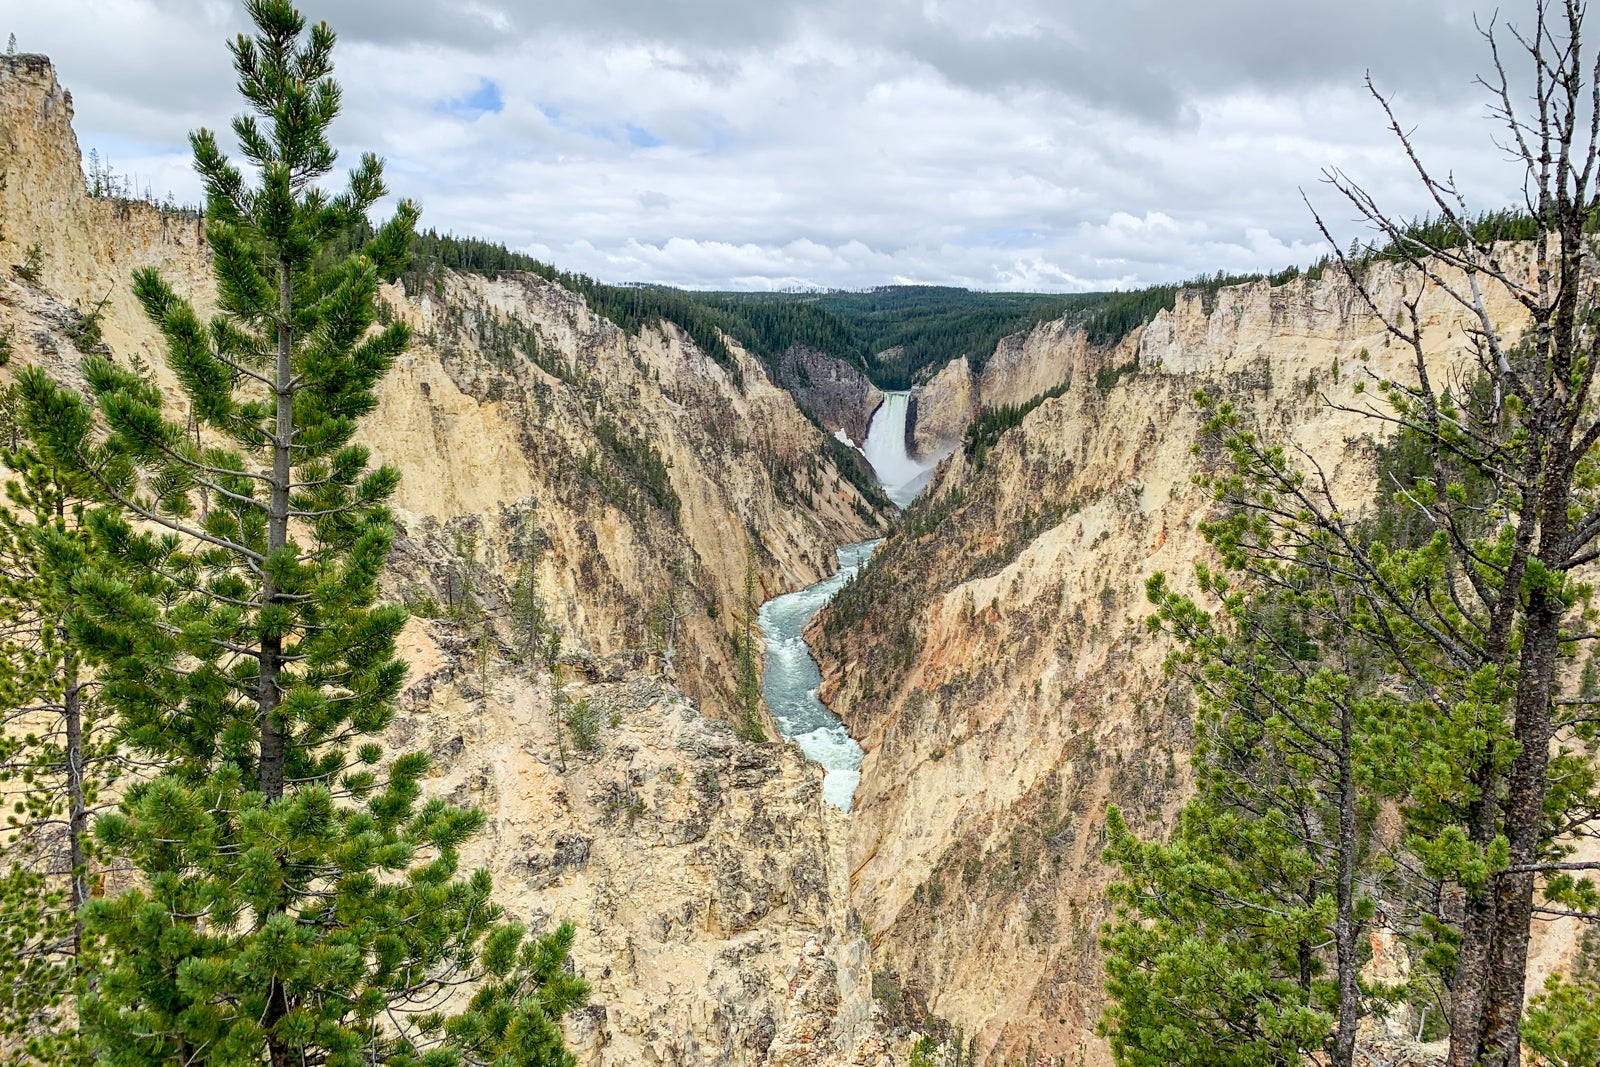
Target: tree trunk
77,805
274,747
1500,1025
273,742
1346,930
1469,990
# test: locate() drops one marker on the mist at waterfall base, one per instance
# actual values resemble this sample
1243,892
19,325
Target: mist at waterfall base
901,476
791,679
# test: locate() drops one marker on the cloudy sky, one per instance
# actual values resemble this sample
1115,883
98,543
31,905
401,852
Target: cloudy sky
1018,144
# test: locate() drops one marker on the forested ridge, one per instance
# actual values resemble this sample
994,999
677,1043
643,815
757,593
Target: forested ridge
897,335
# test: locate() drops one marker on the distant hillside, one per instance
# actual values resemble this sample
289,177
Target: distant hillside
897,335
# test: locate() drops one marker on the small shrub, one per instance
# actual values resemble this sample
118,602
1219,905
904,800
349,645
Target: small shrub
927,1053
32,265
585,726
886,990
84,331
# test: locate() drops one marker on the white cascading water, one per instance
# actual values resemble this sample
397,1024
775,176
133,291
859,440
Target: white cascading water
791,678
901,476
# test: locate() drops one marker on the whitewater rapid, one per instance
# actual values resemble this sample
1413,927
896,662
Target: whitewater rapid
791,679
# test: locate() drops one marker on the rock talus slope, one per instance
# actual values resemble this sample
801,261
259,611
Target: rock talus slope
629,480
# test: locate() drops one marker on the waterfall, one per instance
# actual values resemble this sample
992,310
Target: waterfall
901,476
790,678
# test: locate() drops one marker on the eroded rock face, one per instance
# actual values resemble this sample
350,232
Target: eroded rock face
550,455
628,479
833,391
939,411
994,664
704,872
1023,366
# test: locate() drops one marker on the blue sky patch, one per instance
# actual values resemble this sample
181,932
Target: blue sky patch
484,100
639,137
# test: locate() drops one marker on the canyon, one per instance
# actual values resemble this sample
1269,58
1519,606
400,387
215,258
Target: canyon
773,903
631,479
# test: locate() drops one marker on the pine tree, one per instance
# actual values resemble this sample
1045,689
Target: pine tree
299,899
1241,939
57,755
558,694
1482,623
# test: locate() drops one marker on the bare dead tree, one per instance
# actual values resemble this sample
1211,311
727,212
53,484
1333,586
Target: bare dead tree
1506,612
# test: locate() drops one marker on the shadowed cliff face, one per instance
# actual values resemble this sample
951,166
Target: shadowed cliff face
631,479
993,663
838,395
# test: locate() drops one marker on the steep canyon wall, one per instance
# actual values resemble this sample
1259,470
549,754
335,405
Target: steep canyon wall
1022,366
993,660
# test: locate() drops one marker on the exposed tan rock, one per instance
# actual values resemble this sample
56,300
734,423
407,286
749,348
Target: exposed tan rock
940,410
1023,366
701,870
994,664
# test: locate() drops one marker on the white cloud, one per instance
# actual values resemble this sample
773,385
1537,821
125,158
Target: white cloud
1056,144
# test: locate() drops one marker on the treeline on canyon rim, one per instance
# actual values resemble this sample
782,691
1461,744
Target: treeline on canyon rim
211,857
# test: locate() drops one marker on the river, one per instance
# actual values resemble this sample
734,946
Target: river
791,677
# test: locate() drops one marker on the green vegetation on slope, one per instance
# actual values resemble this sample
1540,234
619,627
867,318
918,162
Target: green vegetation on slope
897,334
632,307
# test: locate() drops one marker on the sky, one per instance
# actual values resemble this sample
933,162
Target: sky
1052,145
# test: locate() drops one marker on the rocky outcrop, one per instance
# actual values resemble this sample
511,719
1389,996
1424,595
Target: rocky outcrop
703,871
1022,366
938,412
629,480
832,391
994,664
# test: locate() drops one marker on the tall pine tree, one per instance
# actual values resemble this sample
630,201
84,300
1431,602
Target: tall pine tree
299,900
